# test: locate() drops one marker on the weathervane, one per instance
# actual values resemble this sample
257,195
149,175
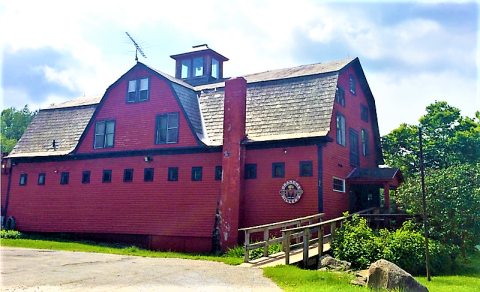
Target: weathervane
137,47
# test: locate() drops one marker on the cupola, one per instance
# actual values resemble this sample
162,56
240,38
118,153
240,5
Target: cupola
201,65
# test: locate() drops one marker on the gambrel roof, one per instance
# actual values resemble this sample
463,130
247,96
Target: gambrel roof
281,104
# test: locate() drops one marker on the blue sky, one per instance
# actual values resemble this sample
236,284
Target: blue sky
413,53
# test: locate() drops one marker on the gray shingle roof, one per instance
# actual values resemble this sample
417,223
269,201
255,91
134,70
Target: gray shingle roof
277,110
79,101
378,173
189,101
286,73
64,125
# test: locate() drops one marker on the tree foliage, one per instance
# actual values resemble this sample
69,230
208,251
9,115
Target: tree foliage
14,123
448,139
453,204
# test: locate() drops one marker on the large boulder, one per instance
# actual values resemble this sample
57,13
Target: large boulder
386,275
329,263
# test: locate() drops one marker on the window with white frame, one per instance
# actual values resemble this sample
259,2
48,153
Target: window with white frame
138,90
166,128
215,68
339,184
104,134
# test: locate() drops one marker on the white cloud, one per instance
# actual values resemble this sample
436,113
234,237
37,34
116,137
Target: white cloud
403,98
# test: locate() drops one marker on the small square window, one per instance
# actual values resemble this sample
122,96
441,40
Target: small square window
218,172
23,179
107,176
86,177
339,184
352,85
64,178
306,168
250,171
278,169
340,96
41,179
148,174
128,175
364,113
196,173
173,174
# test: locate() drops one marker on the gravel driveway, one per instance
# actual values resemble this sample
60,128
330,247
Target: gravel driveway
49,270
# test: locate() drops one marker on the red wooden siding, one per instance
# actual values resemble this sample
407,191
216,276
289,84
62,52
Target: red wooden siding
4,186
135,122
336,158
263,202
182,208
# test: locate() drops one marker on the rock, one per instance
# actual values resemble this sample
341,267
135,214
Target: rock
362,281
386,275
334,264
362,273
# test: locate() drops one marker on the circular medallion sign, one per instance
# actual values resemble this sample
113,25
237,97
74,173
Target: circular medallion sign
291,191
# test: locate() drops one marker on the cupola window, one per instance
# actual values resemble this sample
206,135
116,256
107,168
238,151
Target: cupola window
198,66
186,68
215,68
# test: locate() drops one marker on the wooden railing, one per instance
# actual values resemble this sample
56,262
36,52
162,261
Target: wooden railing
267,240
306,231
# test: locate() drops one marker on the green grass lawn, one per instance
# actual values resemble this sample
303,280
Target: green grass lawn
291,278
93,247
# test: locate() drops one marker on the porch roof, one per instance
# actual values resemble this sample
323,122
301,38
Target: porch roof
392,176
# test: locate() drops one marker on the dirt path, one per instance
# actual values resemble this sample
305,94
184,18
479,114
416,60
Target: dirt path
48,270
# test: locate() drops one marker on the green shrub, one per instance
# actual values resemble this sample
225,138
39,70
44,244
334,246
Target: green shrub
239,251
357,243
12,234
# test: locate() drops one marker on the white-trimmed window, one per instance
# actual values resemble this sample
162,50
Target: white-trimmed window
138,90
104,134
166,129
338,184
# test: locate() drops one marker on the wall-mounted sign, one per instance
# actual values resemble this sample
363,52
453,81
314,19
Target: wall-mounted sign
291,192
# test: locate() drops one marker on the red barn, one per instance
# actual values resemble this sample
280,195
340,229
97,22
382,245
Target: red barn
165,161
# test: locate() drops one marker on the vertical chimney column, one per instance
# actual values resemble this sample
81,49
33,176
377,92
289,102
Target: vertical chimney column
233,161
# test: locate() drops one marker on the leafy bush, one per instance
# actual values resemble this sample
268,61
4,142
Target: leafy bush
357,243
12,234
239,251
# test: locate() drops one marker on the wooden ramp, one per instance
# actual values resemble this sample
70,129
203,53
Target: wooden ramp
296,256
303,240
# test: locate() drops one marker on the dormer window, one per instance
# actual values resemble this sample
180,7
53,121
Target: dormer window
138,90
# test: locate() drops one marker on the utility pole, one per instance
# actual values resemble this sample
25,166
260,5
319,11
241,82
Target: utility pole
425,222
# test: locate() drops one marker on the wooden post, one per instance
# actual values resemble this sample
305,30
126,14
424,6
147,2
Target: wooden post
247,243
333,226
320,241
297,238
287,247
306,241
265,237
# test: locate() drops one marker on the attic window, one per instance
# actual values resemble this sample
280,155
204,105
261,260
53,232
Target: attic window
104,134
166,128
138,90
340,96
